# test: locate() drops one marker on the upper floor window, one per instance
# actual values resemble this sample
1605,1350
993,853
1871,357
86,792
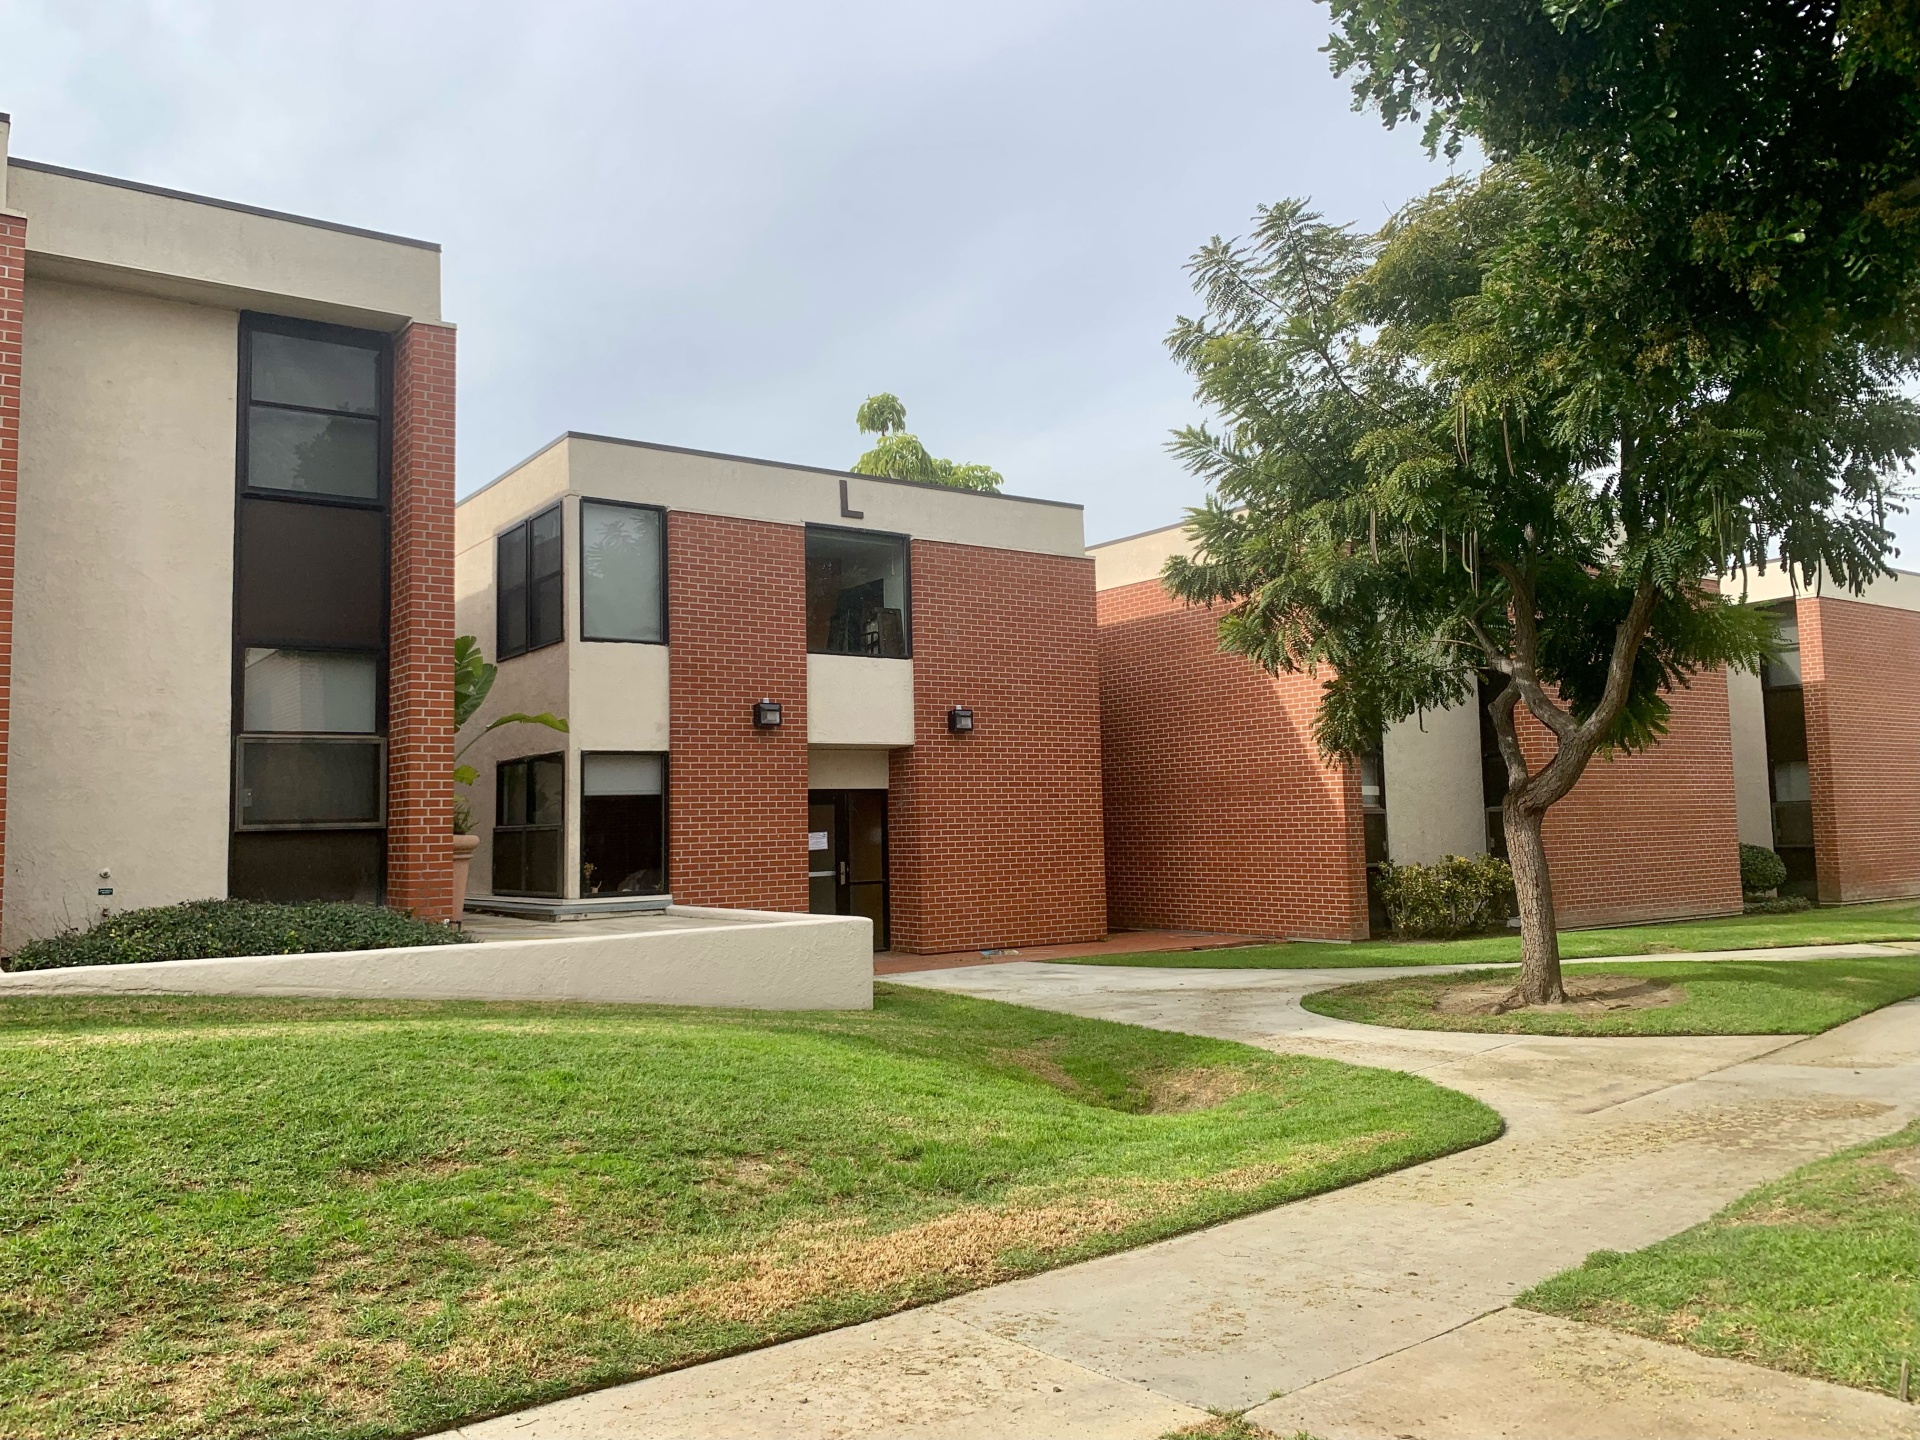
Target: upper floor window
623,572
314,408
529,565
1783,670
857,593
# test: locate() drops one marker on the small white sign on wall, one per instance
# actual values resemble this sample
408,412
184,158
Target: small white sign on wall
816,840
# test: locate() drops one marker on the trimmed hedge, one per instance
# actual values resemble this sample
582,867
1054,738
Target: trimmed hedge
213,929
1456,896
1761,870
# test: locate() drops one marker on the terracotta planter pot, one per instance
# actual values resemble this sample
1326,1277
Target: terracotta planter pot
463,848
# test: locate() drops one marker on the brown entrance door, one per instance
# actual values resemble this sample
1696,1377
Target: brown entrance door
847,856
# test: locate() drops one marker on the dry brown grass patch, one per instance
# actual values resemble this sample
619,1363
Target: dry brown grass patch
1586,995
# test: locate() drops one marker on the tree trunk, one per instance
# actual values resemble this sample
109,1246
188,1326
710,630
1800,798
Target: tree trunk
1533,886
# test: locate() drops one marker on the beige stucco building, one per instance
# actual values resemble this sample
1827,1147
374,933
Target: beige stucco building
134,517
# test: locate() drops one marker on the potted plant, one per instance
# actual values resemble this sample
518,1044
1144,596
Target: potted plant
473,677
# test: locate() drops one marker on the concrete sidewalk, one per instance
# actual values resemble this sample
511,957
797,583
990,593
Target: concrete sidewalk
1374,1311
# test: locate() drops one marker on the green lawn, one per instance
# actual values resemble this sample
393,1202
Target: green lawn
1815,1273
1723,997
246,1217
1838,925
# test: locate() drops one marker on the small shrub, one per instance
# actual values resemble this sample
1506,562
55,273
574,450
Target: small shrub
1761,870
1457,896
1776,905
211,929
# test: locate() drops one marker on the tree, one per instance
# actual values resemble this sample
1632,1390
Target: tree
473,677
900,456
1473,446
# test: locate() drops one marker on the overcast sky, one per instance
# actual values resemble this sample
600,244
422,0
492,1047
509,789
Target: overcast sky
725,224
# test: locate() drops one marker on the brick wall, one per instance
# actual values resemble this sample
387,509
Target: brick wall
1220,814
1650,836
13,270
420,693
1860,665
736,630
994,837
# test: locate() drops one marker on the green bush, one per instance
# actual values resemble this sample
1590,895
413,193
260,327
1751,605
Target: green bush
209,929
1761,870
1457,896
1776,904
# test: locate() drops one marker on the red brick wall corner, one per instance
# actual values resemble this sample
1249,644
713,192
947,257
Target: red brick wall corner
1860,666
13,277
1651,836
1220,814
994,838
420,684
736,630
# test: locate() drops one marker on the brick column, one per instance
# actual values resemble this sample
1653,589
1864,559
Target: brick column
13,263
420,645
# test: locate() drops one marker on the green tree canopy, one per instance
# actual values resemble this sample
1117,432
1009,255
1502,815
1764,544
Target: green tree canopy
900,456
1480,443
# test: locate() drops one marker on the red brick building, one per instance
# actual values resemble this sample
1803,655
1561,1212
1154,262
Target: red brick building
1220,814
1827,740
226,555
786,689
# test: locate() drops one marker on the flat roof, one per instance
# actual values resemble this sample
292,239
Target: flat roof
771,464
191,198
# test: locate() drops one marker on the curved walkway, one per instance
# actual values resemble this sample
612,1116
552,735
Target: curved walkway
1380,1310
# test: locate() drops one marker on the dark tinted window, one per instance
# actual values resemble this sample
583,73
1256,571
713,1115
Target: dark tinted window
289,781
529,575
294,865
857,602
313,416
623,824
312,575
529,806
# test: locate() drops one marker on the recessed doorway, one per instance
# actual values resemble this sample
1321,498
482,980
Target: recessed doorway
847,856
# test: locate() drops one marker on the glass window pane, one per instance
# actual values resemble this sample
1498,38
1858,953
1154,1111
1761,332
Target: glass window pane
1784,670
856,594
546,612
509,861
310,691
293,370
313,454
546,794
1790,781
623,775
510,569
310,782
622,845
294,865
621,589
512,807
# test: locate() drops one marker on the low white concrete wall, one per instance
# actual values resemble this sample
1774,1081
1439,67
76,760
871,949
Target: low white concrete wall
756,960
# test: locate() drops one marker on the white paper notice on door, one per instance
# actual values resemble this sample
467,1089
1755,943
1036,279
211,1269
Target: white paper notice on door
816,840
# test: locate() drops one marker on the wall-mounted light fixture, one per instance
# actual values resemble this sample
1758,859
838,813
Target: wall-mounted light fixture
960,721
766,715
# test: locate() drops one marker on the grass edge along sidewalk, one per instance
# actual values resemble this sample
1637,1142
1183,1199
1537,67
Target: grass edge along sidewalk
1709,997
1891,920
1817,1273
242,1218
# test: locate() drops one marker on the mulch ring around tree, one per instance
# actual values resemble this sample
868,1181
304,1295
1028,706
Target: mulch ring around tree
1586,995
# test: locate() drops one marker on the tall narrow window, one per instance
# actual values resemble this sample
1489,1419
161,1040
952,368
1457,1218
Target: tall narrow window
623,824
310,613
531,595
1783,704
623,593
857,595
529,810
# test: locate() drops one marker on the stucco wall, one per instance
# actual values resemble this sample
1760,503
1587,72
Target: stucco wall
1747,725
760,962
859,700
1434,802
185,247
124,599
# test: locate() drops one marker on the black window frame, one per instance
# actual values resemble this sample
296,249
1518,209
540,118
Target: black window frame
253,323
560,869
906,584
666,817
246,494
524,528
581,587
